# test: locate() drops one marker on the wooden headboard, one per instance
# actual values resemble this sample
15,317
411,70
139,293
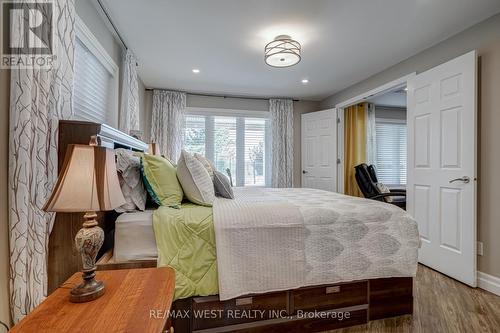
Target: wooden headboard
63,259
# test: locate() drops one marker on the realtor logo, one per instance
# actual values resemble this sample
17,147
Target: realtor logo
27,34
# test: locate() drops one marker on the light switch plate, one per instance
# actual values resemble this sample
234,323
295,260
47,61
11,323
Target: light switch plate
480,248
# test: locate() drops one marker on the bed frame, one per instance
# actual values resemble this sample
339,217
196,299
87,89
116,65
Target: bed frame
311,309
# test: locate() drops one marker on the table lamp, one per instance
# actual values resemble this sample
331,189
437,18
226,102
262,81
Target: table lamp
88,182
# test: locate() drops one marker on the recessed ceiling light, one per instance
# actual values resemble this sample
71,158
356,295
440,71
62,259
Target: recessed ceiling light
405,89
305,81
196,70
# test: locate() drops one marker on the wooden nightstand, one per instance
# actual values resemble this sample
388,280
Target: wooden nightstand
136,300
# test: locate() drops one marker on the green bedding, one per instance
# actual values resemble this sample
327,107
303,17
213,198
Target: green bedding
185,239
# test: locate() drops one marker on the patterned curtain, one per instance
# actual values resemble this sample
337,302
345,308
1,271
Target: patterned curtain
39,98
281,112
168,121
129,112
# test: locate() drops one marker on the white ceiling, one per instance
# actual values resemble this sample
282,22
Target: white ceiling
344,41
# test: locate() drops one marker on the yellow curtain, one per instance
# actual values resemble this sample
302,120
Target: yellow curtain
354,145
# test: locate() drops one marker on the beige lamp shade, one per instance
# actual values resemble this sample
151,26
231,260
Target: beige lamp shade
87,182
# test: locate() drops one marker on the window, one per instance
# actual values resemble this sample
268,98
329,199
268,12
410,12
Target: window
237,143
391,151
95,83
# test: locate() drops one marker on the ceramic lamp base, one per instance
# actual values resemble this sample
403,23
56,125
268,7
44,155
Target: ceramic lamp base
88,242
88,290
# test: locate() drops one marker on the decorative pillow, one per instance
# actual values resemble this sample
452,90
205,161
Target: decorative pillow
222,186
206,163
160,179
195,180
382,188
129,174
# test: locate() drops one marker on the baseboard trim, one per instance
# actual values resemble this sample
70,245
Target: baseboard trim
488,282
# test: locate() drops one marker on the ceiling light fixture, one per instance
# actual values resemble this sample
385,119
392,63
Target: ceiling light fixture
196,71
283,51
305,81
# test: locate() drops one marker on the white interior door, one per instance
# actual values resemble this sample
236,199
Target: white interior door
442,166
319,150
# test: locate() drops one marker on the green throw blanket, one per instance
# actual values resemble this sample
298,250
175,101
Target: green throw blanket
186,242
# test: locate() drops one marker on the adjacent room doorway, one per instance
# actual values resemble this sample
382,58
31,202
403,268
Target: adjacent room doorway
441,160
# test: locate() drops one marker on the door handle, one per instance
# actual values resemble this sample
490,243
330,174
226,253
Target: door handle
304,172
464,179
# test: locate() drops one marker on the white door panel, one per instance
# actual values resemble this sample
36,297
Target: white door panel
442,148
319,150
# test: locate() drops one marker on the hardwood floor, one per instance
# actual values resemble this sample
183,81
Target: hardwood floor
441,305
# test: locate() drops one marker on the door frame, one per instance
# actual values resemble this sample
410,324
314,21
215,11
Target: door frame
401,82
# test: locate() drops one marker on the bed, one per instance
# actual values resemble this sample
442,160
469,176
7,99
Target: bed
283,252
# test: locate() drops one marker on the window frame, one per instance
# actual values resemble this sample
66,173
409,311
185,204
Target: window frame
394,121
240,137
90,41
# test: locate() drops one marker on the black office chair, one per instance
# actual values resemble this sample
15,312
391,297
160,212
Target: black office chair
366,177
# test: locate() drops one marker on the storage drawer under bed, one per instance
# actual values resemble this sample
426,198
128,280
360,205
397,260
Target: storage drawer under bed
309,309
330,297
209,312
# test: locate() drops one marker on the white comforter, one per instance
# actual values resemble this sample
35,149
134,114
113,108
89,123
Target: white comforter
279,239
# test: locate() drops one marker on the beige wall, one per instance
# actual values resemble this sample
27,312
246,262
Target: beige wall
485,37
300,107
88,12
4,217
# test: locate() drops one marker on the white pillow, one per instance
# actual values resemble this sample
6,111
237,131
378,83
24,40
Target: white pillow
206,163
195,180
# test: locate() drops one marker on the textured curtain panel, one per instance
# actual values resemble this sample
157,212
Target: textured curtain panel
354,146
129,111
371,135
167,122
39,98
281,112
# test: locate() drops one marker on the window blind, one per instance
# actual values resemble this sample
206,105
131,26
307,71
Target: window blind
235,143
194,135
92,83
391,152
222,148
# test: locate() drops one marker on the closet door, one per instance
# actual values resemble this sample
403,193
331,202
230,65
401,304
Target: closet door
319,150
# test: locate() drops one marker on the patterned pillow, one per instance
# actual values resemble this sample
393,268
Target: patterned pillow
128,166
206,163
195,180
382,188
222,186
